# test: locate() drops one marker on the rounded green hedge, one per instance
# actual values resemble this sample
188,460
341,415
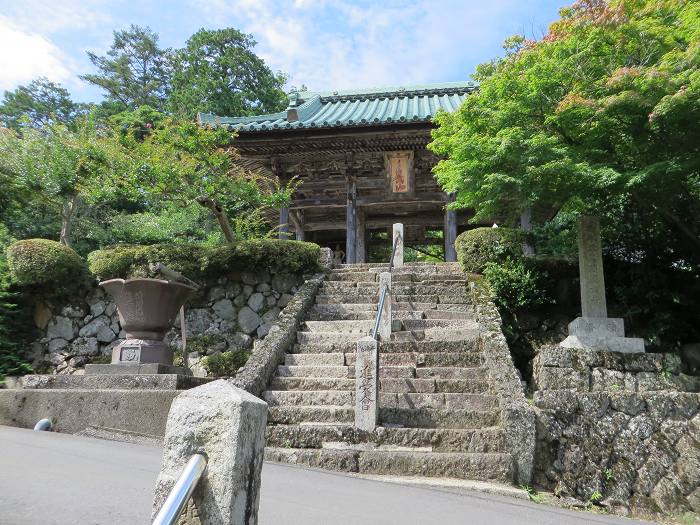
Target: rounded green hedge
480,246
199,262
41,262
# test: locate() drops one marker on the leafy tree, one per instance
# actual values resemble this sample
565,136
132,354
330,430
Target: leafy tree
601,115
40,102
218,72
135,70
60,168
183,163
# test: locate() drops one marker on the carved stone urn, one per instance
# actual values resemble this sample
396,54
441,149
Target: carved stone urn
147,309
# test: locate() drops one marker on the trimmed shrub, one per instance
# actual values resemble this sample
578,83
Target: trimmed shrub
480,246
41,262
225,364
514,285
199,262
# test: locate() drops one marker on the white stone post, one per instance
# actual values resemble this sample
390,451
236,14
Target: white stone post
366,383
227,424
385,320
594,329
398,234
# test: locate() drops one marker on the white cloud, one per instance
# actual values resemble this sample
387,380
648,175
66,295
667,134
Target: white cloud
50,16
27,55
340,45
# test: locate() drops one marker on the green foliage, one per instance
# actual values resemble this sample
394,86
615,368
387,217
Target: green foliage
203,342
479,246
225,364
596,497
12,361
199,262
135,71
45,263
532,494
40,102
218,72
514,285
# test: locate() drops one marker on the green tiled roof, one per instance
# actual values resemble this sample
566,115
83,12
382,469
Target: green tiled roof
368,107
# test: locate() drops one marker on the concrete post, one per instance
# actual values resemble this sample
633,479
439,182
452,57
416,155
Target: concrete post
385,320
226,424
398,233
590,261
450,234
283,231
366,384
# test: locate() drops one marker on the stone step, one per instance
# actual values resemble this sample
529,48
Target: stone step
325,359
425,324
490,439
402,282
386,399
436,334
350,277
396,417
386,384
435,359
336,372
439,418
292,415
476,466
354,298
367,315
351,327
468,343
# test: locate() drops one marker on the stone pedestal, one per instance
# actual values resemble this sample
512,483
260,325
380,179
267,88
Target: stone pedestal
366,384
594,329
606,333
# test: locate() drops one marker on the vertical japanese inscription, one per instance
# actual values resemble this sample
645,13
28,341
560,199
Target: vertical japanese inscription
367,383
399,166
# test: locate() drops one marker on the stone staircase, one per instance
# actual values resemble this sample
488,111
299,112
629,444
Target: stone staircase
438,414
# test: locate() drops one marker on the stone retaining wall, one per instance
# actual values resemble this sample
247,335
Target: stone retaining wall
617,430
229,314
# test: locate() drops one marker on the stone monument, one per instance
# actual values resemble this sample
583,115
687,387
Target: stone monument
594,329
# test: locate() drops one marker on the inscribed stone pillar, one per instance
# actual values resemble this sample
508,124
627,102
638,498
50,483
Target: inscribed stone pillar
590,260
283,231
385,320
526,225
351,223
226,424
398,234
366,383
449,235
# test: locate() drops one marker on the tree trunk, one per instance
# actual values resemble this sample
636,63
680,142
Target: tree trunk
67,216
220,215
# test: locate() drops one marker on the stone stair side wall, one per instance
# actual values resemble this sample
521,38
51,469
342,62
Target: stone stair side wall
232,312
267,355
518,416
618,430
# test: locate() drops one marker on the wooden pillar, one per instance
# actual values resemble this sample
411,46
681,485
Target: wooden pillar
297,218
449,235
360,242
526,224
351,222
283,231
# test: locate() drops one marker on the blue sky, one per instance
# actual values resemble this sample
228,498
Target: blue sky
324,44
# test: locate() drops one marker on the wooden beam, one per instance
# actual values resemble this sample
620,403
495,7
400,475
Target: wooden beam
449,235
360,247
351,222
283,230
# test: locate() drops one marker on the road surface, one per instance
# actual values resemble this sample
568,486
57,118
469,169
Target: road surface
59,479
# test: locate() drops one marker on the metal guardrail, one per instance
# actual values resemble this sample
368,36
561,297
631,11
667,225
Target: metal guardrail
181,492
385,290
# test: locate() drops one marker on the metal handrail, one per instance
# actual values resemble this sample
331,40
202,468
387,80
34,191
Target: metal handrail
385,290
181,492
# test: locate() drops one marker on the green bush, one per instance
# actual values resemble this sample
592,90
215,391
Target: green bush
41,262
513,285
199,262
226,363
480,246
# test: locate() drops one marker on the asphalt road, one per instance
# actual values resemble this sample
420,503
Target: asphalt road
59,479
